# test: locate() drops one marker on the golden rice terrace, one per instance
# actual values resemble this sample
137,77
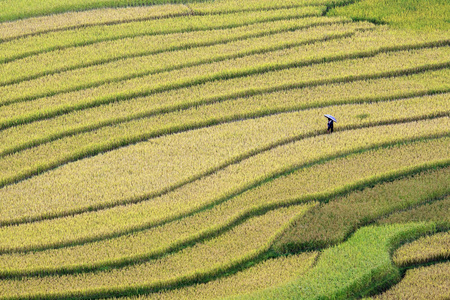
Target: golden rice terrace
180,151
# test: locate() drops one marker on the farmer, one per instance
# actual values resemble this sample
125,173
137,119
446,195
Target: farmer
331,119
330,126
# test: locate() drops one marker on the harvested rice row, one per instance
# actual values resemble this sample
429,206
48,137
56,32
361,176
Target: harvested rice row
127,112
158,240
31,45
425,249
124,69
431,282
103,52
351,269
331,223
200,262
226,143
70,20
216,188
281,71
267,274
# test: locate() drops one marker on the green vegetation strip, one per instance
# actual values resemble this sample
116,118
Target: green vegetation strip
207,159
238,200
331,223
32,45
141,110
424,15
199,263
352,269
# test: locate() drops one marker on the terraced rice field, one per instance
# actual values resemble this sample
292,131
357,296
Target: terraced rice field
180,151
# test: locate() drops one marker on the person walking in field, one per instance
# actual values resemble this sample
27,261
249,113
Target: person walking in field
331,120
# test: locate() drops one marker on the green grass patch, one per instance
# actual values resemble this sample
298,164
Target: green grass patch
331,223
427,15
355,268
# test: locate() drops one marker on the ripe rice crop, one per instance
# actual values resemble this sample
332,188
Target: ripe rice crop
126,249
21,137
175,151
122,69
26,46
271,272
25,163
426,249
352,268
396,63
234,180
103,52
330,223
306,56
30,26
428,282
178,162
212,257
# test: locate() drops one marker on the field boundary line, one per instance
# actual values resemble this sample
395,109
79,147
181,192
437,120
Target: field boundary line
187,46
235,160
80,44
225,76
